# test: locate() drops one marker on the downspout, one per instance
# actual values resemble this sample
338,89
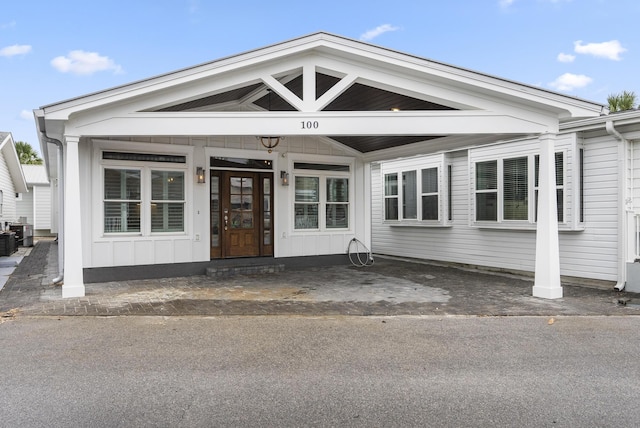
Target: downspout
58,143
622,208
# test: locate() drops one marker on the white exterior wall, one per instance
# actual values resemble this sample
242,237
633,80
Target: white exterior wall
194,245
42,208
24,205
9,194
586,250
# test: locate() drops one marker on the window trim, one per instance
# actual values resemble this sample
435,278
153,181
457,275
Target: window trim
140,201
145,219
530,222
444,191
323,176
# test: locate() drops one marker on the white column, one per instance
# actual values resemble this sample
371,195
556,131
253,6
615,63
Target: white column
547,274
73,284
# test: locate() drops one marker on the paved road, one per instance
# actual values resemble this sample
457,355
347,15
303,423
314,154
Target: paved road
290,371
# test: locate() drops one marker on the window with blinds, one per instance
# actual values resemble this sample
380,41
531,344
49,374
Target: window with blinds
391,196
167,201
503,191
559,167
414,195
337,206
487,191
409,195
430,198
121,200
515,196
307,201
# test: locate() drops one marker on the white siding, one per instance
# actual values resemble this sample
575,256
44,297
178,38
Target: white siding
24,206
42,198
193,245
589,253
9,194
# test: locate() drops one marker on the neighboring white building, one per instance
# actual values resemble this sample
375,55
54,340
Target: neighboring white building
410,156
35,204
11,180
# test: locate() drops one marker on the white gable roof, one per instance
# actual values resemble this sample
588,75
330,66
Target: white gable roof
8,150
35,174
331,45
463,102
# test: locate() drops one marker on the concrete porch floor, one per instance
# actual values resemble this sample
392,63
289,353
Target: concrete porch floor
390,287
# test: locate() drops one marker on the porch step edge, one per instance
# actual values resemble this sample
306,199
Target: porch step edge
227,271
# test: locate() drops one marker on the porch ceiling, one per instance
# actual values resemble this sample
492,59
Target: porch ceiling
358,97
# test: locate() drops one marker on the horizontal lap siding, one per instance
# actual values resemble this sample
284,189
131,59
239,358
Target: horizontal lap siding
42,206
591,253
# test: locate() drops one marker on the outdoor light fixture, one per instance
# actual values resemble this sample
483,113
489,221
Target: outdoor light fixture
269,142
200,174
284,177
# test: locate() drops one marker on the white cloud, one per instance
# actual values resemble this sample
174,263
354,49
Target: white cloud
84,63
381,29
26,115
563,57
610,50
569,82
506,3
7,25
15,50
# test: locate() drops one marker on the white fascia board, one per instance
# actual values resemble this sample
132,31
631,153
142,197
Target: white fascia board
317,124
577,107
64,109
631,117
10,155
334,46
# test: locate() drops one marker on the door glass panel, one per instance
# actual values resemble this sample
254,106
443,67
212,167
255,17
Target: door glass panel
241,202
266,209
215,211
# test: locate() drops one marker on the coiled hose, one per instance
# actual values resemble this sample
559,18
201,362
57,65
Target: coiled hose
357,261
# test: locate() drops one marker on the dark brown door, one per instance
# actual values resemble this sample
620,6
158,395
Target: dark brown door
241,211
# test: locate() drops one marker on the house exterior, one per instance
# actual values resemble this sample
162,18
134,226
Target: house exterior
296,149
487,212
11,180
35,204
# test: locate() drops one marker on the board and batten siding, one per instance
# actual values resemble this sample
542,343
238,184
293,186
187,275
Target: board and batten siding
105,250
587,250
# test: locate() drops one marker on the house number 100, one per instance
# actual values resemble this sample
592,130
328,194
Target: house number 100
310,124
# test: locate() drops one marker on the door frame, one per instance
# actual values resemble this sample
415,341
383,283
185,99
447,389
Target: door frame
263,211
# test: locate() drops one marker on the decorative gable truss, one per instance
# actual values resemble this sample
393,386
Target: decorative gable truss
364,97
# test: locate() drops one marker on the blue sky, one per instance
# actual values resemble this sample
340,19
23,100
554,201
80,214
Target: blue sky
55,50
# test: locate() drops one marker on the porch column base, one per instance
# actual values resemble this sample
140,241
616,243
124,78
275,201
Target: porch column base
70,290
547,292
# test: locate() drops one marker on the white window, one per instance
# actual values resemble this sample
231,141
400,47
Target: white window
307,205
416,198
167,201
143,193
504,188
122,199
337,207
322,196
559,184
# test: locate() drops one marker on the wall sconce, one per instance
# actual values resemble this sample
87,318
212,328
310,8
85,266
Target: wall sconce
284,177
270,143
200,174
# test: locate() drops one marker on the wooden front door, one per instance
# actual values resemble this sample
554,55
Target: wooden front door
241,212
